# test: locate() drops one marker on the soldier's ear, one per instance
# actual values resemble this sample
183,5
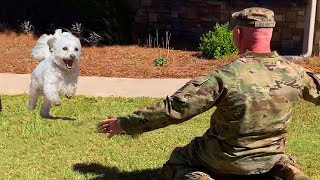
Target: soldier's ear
236,36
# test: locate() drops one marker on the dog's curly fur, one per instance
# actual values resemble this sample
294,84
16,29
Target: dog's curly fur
57,73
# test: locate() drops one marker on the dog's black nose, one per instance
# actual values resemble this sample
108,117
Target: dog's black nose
72,56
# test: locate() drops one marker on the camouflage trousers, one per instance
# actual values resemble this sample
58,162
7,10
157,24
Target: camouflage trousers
182,165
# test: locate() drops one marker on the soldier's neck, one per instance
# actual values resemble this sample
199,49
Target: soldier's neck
256,40
256,49
255,45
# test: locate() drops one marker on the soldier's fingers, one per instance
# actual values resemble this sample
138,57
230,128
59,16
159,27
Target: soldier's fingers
112,117
104,128
102,122
111,134
107,121
107,124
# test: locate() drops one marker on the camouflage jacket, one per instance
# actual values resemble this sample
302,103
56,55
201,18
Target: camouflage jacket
254,97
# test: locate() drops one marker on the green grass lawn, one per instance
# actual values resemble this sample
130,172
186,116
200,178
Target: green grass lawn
35,148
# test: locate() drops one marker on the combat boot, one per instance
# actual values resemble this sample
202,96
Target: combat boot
286,169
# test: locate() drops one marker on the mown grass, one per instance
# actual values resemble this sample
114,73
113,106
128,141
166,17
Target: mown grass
35,148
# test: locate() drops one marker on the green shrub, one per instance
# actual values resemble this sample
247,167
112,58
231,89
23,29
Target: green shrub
160,61
218,43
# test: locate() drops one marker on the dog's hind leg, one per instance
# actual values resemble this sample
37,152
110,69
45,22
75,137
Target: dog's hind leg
45,109
33,96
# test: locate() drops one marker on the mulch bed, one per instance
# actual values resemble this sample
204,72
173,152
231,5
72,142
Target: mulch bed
117,61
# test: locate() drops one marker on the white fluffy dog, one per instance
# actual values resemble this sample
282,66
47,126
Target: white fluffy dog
57,73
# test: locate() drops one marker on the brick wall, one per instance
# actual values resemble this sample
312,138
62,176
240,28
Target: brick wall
187,20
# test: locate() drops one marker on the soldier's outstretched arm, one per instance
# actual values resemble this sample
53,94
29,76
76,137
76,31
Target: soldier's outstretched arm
195,97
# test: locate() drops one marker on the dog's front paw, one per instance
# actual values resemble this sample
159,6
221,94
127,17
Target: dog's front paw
70,90
56,103
45,115
69,96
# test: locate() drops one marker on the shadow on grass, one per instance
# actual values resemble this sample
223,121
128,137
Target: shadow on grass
61,118
113,173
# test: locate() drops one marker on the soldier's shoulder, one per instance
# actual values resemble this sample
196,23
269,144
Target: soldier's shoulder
229,70
240,62
298,68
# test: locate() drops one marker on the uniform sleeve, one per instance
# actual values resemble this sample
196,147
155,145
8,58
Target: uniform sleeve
311,90
195,97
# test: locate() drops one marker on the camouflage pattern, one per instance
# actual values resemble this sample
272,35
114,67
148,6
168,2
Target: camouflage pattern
253,96
254,17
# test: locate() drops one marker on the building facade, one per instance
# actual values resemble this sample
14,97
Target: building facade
187,20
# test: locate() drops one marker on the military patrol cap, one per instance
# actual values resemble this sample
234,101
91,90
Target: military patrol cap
254,17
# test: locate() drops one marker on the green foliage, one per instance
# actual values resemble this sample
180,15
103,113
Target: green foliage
160,61
218,43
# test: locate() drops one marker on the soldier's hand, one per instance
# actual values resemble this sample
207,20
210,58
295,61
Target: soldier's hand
110,126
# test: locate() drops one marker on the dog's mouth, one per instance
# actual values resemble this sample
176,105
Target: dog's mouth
68,63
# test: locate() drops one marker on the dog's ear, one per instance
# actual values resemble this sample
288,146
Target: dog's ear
51,42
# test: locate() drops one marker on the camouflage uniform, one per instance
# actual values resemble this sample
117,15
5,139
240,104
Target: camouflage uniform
253,96
254,17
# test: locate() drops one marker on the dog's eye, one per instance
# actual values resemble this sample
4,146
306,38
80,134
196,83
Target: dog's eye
76,49
65,48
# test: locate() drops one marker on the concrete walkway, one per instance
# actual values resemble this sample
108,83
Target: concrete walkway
100,86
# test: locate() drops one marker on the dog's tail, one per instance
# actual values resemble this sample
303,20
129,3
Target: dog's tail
43,46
